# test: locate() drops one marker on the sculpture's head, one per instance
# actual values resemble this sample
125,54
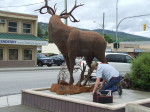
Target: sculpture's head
64,14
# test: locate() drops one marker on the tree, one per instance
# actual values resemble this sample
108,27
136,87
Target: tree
46,34
140,72
108,38
40,32
48,37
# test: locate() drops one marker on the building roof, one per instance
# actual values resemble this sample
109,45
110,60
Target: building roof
19,36
137,42
17,15
21,39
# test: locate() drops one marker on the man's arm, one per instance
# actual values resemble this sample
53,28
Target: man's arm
96,85
102,84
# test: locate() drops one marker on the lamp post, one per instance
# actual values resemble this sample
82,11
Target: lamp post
103,25
123,20
117,23
66,11
131,17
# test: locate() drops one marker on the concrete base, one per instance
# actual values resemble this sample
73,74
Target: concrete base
136,108
44,99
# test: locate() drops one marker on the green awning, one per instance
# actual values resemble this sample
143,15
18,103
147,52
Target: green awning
21,39
19,36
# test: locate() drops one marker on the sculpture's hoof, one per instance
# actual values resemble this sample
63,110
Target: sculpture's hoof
78,84
71,82
84,84
61,82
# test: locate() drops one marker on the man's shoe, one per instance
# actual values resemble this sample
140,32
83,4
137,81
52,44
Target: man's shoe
119,89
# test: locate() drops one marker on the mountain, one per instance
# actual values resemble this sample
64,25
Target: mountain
121,35
43,26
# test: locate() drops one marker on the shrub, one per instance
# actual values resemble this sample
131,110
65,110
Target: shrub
140,72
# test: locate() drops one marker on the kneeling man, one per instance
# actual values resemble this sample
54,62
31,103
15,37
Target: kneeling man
110,76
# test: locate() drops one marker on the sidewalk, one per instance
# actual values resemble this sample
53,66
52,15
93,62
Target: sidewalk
20,108
12,103
10,100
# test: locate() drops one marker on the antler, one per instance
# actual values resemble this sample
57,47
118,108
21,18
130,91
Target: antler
70,13
55,8
49,9
75,6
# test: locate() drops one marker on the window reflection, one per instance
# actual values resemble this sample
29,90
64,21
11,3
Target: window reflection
12,26
13,54
26,28
1,54
27,54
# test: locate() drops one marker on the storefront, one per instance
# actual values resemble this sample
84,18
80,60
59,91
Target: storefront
18,39
18,52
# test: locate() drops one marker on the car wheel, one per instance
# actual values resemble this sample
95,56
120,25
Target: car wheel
49,65
40,64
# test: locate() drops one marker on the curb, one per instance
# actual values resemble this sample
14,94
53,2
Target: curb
28,69
31,68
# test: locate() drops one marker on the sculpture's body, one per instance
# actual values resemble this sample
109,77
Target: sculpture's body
73,42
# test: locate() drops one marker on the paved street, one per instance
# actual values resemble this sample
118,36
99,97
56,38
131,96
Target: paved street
13,81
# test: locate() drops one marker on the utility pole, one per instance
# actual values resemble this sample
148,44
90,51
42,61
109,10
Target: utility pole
117,24
66,11
103,24
131,17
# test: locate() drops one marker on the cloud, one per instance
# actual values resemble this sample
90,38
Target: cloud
91,14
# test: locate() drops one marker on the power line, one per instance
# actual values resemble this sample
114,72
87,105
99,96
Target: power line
22,5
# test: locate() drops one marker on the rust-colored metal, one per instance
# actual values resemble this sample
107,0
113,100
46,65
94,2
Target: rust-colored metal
82,77
69,89
73,42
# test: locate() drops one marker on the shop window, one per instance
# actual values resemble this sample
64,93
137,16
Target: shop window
27,54
13,54
26,28
1,54
12,26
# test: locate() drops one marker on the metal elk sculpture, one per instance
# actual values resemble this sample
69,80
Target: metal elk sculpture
73,42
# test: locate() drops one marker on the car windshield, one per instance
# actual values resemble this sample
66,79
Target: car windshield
41,56
57,56
95,59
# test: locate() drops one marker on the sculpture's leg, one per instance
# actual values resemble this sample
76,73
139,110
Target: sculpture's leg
102,58
73,48
81,76
88,76
67,62
89,61
72,63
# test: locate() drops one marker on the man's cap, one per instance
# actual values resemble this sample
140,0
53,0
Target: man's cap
93,64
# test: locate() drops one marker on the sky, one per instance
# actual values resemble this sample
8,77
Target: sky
91,13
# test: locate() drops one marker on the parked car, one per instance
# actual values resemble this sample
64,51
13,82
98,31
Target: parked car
120,61
57,59
43,60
